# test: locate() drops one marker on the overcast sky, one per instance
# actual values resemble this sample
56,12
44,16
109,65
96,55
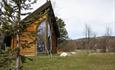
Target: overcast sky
76,13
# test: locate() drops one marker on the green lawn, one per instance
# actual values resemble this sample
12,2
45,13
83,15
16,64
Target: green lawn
75,62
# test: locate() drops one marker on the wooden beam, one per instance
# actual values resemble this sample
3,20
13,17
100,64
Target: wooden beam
46,37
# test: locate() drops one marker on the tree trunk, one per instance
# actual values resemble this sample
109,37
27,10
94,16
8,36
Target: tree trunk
18,54
18,58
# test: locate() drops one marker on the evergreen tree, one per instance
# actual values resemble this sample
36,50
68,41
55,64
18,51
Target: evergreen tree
7,60
62,29
10,22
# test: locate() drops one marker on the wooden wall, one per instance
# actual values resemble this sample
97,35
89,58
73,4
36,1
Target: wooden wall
28,43
28,39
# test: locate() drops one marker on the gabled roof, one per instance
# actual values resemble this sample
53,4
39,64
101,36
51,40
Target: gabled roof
36,14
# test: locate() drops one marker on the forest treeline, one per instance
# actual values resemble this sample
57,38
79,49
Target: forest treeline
98,44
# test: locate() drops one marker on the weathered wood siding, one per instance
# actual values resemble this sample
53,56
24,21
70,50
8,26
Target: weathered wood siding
28,37
28,43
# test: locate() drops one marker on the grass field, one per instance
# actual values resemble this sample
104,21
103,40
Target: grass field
99,61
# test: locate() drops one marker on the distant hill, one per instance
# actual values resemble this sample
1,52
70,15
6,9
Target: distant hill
101,37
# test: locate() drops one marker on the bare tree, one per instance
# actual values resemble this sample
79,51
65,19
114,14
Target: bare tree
87,35
108,31
94,41
108,37
87,31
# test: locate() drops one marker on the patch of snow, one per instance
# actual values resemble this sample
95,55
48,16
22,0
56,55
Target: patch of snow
73,52
64,54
